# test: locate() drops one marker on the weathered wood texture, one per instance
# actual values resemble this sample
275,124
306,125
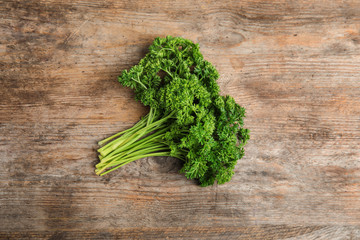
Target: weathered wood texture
294,65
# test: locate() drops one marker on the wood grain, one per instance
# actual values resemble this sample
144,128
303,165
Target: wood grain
294,65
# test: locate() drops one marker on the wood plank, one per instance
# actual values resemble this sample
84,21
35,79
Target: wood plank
294,65
266,232
255,232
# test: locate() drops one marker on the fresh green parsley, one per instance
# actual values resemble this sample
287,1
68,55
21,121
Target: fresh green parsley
188,119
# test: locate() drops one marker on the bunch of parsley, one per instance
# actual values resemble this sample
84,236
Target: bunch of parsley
188,119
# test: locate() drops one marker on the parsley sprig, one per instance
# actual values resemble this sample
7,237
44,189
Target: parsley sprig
188,118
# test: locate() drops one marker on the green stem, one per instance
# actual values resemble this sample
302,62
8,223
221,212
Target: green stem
127,140
121,140
144,139
141,143
138,81
140,124
167,72
132,153
167,49
136,158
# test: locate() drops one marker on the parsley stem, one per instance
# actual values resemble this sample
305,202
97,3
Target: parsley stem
138,81
144,138
136,158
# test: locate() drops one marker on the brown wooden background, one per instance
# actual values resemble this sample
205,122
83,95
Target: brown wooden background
294,65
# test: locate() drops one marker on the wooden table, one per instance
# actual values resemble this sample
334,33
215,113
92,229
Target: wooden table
294,65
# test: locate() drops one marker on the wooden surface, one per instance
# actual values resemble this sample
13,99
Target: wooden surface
294,65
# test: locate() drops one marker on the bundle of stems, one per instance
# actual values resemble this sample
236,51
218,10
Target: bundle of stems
144,139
